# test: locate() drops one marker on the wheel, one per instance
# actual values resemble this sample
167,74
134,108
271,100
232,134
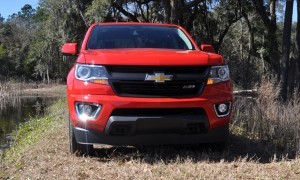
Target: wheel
76,148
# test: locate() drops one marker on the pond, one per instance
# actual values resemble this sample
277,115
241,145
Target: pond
19,110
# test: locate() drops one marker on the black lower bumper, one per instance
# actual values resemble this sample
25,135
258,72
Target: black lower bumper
153,131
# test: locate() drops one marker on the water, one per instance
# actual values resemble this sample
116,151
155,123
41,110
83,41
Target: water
19,110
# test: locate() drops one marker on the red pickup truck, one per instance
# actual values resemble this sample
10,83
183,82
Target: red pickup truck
146,84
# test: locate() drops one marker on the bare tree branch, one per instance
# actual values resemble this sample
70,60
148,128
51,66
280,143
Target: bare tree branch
126,13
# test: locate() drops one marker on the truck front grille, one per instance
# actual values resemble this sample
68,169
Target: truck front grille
130,81
173,89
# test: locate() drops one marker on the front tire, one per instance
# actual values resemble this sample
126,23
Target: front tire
76,148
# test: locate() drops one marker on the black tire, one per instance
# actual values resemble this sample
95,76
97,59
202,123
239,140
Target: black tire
76,148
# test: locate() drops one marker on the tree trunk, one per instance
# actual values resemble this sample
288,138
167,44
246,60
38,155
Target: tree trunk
174,11
286,46
44,78
273,11
292,75
167,8
298,42
189,24
272,42
273,57
48,78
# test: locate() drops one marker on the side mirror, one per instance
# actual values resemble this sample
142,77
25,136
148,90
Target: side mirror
208,48
69,49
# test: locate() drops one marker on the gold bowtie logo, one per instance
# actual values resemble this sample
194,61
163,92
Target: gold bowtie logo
158,77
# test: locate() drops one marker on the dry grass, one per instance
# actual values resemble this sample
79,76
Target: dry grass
266,119
9,91
49,159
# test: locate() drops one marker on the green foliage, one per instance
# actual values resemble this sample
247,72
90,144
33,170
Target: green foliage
26,13
3,60
97,11
44,57
40,15
2,51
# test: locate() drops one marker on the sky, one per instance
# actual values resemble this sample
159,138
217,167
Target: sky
8,7
295,11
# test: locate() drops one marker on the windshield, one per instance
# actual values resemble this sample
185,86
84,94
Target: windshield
138,36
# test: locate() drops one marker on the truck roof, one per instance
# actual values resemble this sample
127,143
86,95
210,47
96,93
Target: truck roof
136,23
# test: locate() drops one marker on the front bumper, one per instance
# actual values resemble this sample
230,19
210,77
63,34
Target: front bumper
95,131
211,95
84,136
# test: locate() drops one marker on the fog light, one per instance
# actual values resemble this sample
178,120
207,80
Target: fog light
87,110
222,109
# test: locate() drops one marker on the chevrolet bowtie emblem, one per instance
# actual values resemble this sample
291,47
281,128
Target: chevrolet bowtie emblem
158,77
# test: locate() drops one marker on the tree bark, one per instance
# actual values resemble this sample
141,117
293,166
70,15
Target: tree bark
286,46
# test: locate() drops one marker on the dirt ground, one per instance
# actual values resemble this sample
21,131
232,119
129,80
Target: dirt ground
242,159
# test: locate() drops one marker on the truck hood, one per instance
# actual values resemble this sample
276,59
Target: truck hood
159,57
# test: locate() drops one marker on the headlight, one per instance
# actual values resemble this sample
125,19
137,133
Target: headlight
91,73
218,74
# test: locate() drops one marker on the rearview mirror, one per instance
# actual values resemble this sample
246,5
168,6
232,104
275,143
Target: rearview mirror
208,48
69,49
